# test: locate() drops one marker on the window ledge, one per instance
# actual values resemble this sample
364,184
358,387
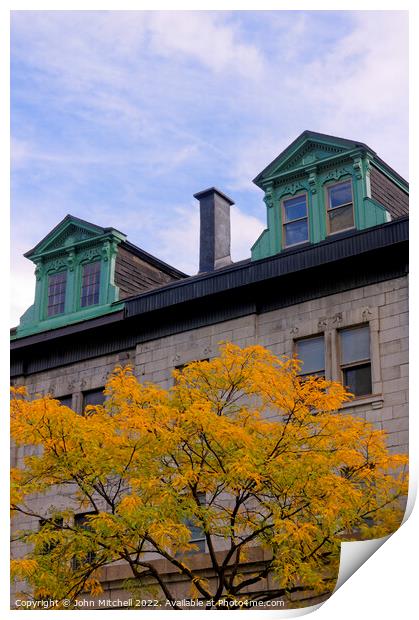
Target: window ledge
376,401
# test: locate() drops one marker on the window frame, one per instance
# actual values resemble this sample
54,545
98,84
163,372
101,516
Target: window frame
201,541
91,391
90,555
328,187
331,323
285,223
68,397
312,337
49,275
82,266
58,524
357,363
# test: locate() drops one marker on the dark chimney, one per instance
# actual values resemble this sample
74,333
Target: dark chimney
214,249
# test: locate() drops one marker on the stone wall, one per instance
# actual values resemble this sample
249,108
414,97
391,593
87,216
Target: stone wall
384,306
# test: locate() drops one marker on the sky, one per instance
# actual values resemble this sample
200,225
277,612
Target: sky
119,117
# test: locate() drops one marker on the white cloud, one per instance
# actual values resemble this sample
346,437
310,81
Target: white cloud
22,289
158,104
362,87
206,37
178,242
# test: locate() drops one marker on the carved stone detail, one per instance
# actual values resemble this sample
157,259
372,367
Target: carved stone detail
366,313
322,323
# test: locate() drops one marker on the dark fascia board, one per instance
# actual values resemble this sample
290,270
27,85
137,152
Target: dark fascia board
246,273
342,246
153,260
71,218
308,135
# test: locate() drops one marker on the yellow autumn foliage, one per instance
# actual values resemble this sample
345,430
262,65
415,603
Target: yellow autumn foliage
242,451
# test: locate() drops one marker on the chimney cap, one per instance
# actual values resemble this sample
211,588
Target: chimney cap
213,190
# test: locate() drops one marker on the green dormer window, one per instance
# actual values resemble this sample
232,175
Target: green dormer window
295,220
320,186
75,276
90,285
57,283
340,208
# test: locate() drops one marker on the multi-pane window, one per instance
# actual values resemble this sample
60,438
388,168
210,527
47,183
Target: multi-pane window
311,352
181,367
295,220
81,521
53,524
66,400
355,359
94,397
197,533
90,284
56,293
340,210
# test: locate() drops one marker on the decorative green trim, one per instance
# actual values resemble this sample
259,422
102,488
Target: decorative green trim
72,244
303,168
57,321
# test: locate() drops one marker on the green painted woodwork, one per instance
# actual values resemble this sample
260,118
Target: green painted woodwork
69,246
309,165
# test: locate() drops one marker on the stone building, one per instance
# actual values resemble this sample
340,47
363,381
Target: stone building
327,279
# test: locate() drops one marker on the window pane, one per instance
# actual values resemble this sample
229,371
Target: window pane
57,524
197,533
94,397
311,352
66,400
355,344
358,379
82,521
297,232
56,293
90,284
340,194
341,219
295,208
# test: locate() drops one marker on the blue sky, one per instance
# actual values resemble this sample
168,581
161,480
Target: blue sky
120,117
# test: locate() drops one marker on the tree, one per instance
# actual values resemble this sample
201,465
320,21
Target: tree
241,447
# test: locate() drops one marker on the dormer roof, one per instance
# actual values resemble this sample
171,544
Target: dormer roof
310,148
70,231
